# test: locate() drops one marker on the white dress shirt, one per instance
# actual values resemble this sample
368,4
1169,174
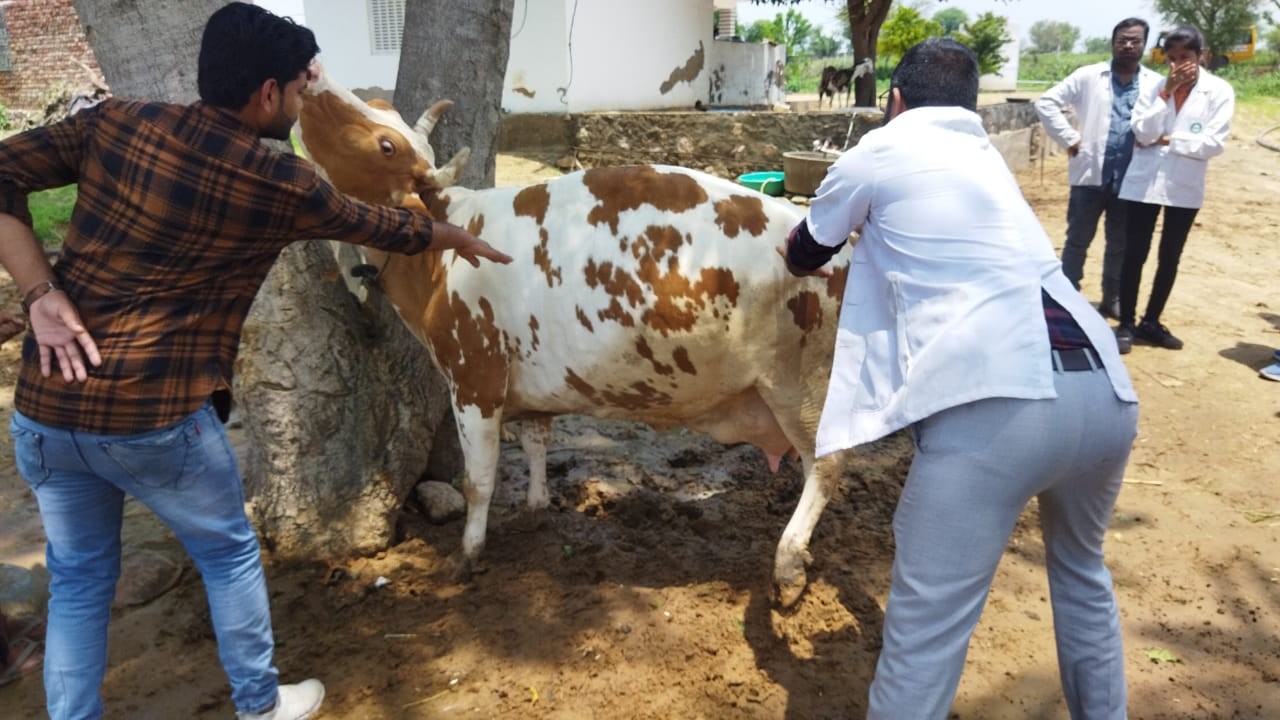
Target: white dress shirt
942,305
1174,174
1088,90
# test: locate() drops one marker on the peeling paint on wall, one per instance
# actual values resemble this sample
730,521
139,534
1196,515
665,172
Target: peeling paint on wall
687,73
524,91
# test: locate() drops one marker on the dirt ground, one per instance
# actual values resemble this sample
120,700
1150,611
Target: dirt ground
644,591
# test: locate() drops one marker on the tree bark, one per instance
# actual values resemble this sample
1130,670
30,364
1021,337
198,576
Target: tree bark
147,49
865,19
457,51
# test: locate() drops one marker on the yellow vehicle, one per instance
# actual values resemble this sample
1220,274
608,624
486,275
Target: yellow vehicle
1246,42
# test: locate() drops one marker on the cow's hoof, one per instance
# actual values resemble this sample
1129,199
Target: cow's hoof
787,592
461,570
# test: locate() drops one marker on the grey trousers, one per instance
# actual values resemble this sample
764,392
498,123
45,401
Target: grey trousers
975,469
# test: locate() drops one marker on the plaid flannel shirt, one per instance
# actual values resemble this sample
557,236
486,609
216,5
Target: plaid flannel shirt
180,214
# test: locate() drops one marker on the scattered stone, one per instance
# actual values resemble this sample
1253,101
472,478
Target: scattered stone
442,502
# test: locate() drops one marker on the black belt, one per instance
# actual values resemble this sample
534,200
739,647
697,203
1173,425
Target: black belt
1076,360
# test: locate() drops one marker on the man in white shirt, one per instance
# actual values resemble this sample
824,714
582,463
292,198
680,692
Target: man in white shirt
1103,95
958,323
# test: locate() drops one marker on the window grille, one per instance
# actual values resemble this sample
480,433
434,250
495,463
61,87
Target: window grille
386,25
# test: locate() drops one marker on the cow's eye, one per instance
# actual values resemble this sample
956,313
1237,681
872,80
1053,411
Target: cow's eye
388,148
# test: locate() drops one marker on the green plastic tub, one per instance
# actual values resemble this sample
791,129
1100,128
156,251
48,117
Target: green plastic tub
768,182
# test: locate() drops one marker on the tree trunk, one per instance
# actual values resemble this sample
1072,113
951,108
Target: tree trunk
339,424
147,49
865,19
457,51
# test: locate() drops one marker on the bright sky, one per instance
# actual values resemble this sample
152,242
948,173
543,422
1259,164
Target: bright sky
1095,18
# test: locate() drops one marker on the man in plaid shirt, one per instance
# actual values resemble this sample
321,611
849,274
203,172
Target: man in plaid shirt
180,214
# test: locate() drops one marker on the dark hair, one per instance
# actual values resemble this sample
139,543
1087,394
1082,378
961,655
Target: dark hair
938,71
1188,36
244,46
1127,23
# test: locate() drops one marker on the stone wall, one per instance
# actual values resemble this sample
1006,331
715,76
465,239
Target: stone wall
728,143
47,49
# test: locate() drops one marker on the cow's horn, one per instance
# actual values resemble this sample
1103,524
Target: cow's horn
427,122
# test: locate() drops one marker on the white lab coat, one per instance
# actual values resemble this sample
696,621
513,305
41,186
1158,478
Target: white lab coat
1174,174
942,306
1088,90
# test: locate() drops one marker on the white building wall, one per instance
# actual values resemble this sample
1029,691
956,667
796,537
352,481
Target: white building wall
745,74
346,45
575,55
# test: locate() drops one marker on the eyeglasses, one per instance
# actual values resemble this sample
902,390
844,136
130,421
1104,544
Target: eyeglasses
1126,42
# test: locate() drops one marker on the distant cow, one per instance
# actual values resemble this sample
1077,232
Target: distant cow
646,293
836,81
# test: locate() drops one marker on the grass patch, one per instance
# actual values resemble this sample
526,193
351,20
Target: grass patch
51,214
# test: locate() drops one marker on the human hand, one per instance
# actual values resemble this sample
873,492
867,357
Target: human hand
451,237
1074,150
1182,73
59,333
821,272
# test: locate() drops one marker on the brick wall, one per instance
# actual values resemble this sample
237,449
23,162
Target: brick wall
45,41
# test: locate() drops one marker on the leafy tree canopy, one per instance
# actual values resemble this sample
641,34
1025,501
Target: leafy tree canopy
951,19
905,27
1054,36
1097,45
986,36
1220,20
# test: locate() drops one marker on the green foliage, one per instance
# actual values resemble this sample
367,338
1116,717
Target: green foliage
51,213
1097,45
823,45
951,20
1053,36
905,27
1256,78
986,36
1049,69
791,30
1272,38
4,117
1219,20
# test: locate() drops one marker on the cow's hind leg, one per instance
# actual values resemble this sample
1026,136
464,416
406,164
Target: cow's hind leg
479,437
534,437
789,575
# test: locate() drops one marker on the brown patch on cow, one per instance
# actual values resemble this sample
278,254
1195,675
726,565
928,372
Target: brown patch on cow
616,313
437,205
658,241
586,321
646,352
380,104
687,72
582,386
741,212
836,282
533,202
533,329
615,281
476,225
618,189
470,350
678,302
640,396
681,356
806,310
542,258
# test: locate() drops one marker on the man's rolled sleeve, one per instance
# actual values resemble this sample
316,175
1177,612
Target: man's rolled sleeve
327,213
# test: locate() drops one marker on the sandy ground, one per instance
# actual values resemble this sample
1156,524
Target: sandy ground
643,592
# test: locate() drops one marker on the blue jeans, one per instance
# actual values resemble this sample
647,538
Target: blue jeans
1086,205
976,467
187,475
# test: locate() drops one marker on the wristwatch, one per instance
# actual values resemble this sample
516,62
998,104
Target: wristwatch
38,292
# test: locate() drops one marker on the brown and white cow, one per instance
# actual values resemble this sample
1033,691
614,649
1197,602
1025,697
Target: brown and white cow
645,293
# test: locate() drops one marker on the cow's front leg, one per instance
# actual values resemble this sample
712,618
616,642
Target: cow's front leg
789,576
534,437
479,437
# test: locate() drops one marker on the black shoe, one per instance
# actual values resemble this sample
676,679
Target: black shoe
1109,307
1124,339
1157,334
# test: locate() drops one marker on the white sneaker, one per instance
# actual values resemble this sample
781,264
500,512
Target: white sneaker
295,702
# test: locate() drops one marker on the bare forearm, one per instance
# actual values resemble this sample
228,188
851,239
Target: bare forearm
21,255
